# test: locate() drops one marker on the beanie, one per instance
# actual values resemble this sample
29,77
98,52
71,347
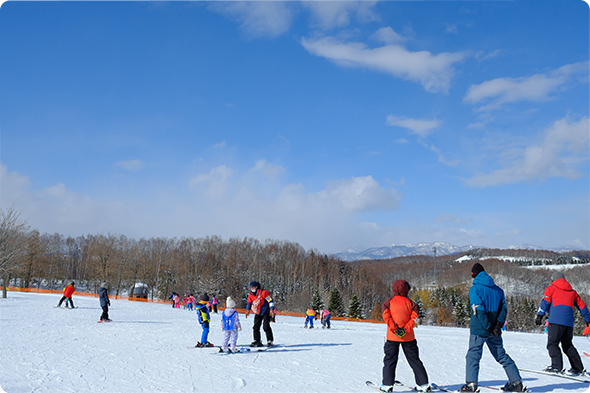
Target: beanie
204,297
476,269
254,284
557,275
229,303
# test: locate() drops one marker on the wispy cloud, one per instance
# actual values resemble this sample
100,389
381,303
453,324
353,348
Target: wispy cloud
258,18
419,127
562,151
387,35
433,71
331,14
495,93
131,165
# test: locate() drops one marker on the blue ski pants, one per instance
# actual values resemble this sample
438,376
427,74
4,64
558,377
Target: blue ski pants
205,334
496,347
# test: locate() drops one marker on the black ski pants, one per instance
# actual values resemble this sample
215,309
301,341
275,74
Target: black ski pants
391,349
105,313
263,320
64,298
560,334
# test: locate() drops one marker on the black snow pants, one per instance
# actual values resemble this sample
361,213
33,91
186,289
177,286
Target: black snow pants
105,313
64,298
411,351
560,334
259,320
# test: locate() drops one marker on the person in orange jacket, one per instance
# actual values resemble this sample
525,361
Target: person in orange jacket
399,314
68,292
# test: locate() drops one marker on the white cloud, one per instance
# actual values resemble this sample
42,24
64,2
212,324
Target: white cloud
535,88
419,127
360,194
563,149
214,184
131,165
386,35
433,71
258,18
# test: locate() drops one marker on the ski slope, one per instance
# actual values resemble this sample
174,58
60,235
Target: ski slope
149,348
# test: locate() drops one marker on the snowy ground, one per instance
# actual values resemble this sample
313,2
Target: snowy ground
147,348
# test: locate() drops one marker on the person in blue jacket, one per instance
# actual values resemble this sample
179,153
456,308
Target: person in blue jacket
488,314
204,319
103,297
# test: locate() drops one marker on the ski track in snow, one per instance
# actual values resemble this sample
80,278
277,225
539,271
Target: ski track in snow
146,349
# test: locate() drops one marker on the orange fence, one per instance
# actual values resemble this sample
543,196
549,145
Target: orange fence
136,299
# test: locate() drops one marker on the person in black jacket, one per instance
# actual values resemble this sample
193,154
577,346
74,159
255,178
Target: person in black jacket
103,296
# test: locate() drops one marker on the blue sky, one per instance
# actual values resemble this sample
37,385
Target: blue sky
332,124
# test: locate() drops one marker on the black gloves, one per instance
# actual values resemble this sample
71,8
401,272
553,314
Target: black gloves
539,319
400,332
497,329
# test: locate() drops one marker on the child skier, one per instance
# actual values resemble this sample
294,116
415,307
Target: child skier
399,313
176,301
326,316
309,317
204,319
191,302
230,324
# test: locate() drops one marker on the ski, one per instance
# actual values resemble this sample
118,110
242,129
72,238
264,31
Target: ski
559,375
397,385
239,350
480,389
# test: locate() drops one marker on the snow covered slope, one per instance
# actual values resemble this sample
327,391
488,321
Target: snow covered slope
147,348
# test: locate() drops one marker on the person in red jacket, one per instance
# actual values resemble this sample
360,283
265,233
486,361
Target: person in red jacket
399,314
559,300
68,292
261,304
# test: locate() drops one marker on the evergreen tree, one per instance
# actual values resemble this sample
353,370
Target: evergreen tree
316,301
336,306
420,304
461,311
355,309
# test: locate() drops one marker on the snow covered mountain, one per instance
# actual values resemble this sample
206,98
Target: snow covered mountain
401,250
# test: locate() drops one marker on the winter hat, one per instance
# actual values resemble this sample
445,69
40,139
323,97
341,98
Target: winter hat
401,288
229,302
73,283
476,269
255,284
557,275
104,285
204,297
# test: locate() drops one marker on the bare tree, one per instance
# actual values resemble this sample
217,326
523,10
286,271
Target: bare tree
13,240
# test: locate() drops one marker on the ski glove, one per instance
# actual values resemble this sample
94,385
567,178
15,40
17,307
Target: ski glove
400,332
497,329
539,319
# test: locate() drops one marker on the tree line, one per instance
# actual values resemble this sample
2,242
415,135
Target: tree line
296,277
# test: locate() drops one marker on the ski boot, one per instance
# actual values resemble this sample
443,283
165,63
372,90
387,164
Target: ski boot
469,387
515,386
386,388
256,344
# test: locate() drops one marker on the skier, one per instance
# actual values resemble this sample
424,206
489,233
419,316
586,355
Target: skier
103,295
176,301
230,324
214,303
261,304
309,317
399,314
172,298
68,292
191,302
326,316
559,299
489,310
204,319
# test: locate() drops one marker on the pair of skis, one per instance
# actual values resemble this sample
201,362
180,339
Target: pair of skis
400,387
583,378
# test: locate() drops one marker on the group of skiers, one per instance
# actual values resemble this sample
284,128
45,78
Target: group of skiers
488,318
488,315
311,315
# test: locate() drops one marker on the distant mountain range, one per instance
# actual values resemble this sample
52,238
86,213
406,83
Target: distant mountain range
403,250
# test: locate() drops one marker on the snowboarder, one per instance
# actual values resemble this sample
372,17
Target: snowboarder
261,304
230,324
68,292
488,313
204,319
326,316
399,314
309,317
103,295
559,299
